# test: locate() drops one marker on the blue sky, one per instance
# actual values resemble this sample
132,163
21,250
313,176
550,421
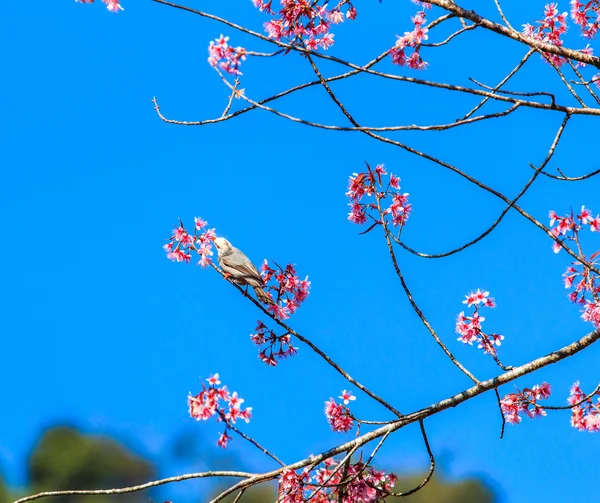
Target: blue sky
101,330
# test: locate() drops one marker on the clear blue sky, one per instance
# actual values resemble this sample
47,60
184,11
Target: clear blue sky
98,328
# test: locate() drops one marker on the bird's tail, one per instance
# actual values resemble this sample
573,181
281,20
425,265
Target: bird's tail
263,296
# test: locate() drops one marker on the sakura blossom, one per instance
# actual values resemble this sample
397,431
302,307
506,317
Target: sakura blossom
587,16
525,403
303,23
347,397
323,484
585,416
182,243
550,29
111,5
413,40
273,347
219,402
371,184
469,328
227,58
338,416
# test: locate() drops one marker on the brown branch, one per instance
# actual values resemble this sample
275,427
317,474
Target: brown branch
433,409
436,408
501,413
414,304
312,346
471,15
133,489
251,440
565,178
429,474
511,204
583,82
502,82
450,87
450,37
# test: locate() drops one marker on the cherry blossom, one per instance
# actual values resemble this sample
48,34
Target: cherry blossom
275,347
111,5
347,397
339,416
304,23
525,402
566,228
469,327
323,484
371,184
585,416
549,30
227,58
411,39
586,15
181,243
286,288
217,401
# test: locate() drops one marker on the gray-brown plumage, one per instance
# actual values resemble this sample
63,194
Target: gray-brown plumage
240,269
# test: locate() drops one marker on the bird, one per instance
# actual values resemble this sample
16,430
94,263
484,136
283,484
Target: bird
240,269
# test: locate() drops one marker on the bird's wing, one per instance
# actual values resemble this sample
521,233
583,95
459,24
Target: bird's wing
242,264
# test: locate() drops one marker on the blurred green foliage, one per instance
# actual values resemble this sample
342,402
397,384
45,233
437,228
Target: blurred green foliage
437,490
64,458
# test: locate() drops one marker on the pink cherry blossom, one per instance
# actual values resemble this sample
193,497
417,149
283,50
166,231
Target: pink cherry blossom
304,23
223,440
525,402
227,58
277,347
364,484
586,15
111,5
585,416
549,30
413,40
347,397
339,416
213,380
218,402
371,184
469,328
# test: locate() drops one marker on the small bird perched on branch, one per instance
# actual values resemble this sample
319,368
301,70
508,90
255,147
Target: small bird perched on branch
240,269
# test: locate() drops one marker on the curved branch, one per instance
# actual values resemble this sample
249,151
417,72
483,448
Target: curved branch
431,466
311,345
133,489
538,171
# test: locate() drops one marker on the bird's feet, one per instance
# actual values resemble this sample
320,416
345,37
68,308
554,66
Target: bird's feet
227,275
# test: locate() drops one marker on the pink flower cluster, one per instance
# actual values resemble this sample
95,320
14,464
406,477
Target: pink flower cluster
586,290
411,39
365,484
111,5
270,355
585,416
181,243
370,183
208,403
286,288
570,226
469,327
587,16
525,402
227,58
339,416
305,22
549,30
